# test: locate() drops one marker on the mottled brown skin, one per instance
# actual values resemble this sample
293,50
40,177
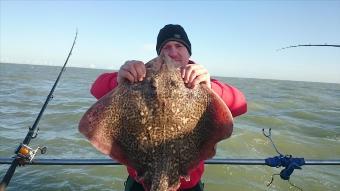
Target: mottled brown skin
158,126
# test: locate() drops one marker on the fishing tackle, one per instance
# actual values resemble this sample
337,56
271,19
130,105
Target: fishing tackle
24,153
287,161
323,45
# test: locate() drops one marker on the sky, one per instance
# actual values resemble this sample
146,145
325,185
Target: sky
230,38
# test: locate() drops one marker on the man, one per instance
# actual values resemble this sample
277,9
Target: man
173,41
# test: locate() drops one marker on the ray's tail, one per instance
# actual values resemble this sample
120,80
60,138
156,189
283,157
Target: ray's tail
161,181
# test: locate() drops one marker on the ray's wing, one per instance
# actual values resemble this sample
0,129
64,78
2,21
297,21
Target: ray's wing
214,123
218,125
101,124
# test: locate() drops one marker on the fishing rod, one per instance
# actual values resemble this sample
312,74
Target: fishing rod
294,46
24,153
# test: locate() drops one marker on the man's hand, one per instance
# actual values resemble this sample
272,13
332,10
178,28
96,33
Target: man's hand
131,70
194,74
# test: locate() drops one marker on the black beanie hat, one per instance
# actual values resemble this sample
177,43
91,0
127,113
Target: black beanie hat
175,33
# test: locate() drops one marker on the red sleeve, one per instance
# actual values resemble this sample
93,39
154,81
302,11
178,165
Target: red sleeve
104,84
233,97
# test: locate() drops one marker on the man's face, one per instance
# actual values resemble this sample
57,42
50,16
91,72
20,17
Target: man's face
176,51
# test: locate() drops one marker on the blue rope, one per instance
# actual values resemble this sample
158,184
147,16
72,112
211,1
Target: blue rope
288,162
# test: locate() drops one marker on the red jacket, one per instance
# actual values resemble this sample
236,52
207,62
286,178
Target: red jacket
233,98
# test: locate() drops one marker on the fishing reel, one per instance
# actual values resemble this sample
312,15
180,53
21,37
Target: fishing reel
26,153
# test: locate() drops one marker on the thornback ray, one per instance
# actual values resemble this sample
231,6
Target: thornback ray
158,126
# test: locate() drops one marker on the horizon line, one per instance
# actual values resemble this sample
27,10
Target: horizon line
255,78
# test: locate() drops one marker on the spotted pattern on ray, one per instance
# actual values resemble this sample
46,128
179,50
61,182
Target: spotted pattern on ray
158,126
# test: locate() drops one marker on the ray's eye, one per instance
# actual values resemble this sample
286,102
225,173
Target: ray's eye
153,84
173,83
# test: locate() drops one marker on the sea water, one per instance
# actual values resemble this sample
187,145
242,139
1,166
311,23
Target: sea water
304,118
